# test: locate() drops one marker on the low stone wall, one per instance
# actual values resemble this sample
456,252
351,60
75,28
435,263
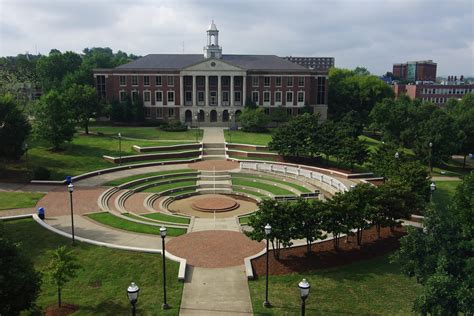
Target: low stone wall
248,154
196,146
247,147
132,158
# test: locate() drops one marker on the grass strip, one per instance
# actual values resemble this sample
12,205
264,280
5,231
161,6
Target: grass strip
254,193
290,184
167,218
263,186
10,200
120,223
120,181
169,186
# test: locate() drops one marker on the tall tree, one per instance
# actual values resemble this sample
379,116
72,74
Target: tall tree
54,119
14,128
52,69
253,120
309,223
84,102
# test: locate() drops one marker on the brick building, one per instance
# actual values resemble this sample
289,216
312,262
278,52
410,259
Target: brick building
213,88
415,71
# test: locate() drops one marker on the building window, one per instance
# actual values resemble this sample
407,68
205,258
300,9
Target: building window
278,81
278,97
213,98
266,111
123,96
170,81
134,80
158,80
237,96
188,96
146,80
134,95
159,96
289,112
123,80
266,81
289,97
225,96
170,96
255,97
159,112
254,81
266,97
237,81
101,90
200,96
289,81
300,97
170,112
321,91
300,81
147,112
146,96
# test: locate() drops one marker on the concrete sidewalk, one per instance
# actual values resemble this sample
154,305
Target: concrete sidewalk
219,291
213,135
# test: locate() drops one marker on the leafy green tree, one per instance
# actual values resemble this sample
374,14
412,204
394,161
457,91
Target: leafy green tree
439,256
52,69
309,223
352,151
361,71
335,218
382,160
279,115
84,102
253,120
62,268
391,117
14,128
20,284
329,144
390,205
54,119
463,113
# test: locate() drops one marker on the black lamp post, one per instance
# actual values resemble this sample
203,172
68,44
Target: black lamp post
132,292
304,293
432,189
196,117
120,148
70,188
268,231
163,236
230,128
25,149
430,162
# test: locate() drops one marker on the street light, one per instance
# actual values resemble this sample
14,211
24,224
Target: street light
163,236
196,117
430,166
432,189
268,231
120,148
304,293
70,188
132,292
397,155
230,128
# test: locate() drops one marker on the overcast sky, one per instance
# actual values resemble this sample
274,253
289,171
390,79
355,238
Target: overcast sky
370,33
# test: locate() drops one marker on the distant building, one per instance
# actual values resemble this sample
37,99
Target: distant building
313,63
412,71
213,88
437,93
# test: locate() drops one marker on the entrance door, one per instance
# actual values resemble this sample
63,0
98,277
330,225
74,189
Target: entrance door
213,116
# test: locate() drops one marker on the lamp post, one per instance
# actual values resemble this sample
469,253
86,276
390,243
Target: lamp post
430,162
120,148
25,149
304,293
132,292
432,189
268,231
397,155
163,236
230,128
196,117
70,188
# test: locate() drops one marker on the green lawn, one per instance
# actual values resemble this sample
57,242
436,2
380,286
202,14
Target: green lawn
263,186
169,186
147,133
444,192
269,158
120,223
254,193
19,199
244,219
167,218
248,138
372,287
290,184
120,181
181,192
100,286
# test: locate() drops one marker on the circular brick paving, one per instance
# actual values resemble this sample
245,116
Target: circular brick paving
214,248
218,165
214,202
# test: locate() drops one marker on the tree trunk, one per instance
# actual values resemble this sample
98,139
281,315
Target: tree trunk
308,246
464,162
86,127
378,231
359,237
59,296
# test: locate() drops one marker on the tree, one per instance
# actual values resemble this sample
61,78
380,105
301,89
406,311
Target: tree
440,256
84,102
309,223
54,119
62,268
253,120
329,144
352,151
335,218
279,115
361,71
52,69
14,128
463,113
382,161
20,284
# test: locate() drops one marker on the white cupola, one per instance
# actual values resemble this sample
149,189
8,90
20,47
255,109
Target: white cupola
212,49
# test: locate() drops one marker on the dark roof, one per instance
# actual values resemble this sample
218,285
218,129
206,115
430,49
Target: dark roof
180,61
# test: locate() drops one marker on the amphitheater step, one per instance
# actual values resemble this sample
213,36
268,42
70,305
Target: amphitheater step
213,145
213,157
214,151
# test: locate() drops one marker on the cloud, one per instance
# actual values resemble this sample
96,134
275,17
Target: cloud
370,33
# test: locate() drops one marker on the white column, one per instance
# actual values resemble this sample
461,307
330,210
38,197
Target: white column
181,90
206,98
219,92
194,91
244,89
231,90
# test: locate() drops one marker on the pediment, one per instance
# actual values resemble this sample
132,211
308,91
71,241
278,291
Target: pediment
212,64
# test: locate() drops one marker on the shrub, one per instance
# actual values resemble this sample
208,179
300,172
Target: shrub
174,126
41,173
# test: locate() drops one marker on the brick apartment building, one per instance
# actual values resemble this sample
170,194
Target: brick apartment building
212,88
415,71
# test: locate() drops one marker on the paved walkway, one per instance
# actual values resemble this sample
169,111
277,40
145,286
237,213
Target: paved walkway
213,135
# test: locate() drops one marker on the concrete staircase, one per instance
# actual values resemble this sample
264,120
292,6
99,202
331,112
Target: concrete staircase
213,151
214,182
